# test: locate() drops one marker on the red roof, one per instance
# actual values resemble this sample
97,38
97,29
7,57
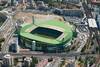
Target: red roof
95,1
42,63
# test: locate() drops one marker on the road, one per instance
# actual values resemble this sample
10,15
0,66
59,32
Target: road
9,34
5,46
47,55
93,31
82,42
57,63
87,10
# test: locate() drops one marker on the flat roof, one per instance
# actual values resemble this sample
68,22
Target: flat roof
92,23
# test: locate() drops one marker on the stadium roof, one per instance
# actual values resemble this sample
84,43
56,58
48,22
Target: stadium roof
50,24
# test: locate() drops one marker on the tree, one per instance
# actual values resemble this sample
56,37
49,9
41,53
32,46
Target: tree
97,49
34,61
15,61
2,39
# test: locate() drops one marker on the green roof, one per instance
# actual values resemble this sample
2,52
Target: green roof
64,27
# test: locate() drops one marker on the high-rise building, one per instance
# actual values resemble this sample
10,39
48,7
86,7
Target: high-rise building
7,61
47,40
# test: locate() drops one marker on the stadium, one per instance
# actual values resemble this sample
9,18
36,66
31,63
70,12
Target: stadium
47,36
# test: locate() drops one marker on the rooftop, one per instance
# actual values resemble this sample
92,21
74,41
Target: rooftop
95,1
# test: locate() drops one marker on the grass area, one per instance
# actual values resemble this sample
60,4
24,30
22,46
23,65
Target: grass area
2,40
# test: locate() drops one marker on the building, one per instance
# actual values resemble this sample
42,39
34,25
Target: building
7,61
92,23
23,1
73,13
95,1
11,2
72,1
1,63
42,63
27,62
50,35
3,3
98,20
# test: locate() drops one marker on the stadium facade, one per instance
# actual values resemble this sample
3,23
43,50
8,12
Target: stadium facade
49,36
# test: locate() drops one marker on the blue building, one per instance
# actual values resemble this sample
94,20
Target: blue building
98,21
73,13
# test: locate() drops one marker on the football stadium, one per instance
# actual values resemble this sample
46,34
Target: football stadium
47,36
